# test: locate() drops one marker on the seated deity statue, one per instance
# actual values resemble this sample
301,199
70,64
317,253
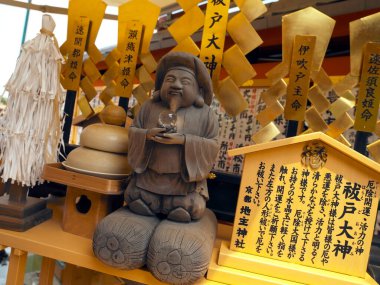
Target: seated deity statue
172,146
173,142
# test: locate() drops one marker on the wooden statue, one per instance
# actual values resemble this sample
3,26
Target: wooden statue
172,147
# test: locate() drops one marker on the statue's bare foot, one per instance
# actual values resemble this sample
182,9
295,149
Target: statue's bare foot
121,239
179,215
180,253
139,207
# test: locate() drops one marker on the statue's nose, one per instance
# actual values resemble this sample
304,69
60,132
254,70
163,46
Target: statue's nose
177,84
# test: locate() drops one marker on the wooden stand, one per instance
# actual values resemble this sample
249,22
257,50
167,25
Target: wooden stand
88,198
48,240
19,212
234,267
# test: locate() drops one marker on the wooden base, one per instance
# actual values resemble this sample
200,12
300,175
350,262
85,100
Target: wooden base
242,264
21,209
18,216
227,275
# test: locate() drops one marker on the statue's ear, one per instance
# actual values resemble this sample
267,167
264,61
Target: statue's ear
156,96
199,101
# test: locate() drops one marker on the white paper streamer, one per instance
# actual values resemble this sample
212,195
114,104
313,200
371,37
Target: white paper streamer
31,127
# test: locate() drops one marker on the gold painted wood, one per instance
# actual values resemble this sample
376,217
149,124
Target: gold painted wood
343,140
229,275
280,269
127,67
107,94
362,31
91,70
47,271
299,77
367,105
341,106
270,113
143,11
84,106
315,121
227,95
237,65
340,125
94,10
274,92
213,37
307,22
88,88
267,133
50,241
16,269
377,131
243,34
246,39
149,62
251,9
190,22
182,29
374,150
347,83
76,47
322,79
187,45
140,94
296,177
145,79
317,99
111,73
187,4
119,77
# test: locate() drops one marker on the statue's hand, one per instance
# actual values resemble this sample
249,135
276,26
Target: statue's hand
170,138
154,132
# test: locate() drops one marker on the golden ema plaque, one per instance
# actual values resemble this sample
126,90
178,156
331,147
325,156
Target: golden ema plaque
305,201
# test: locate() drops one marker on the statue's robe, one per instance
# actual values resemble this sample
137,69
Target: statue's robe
174,169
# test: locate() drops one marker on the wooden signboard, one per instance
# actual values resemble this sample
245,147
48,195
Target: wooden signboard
367,106
306,201
299,77
214,34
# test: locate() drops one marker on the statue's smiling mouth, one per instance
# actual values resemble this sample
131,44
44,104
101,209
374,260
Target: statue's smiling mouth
175,92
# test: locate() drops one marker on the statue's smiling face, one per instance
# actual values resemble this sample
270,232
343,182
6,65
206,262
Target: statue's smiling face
179,89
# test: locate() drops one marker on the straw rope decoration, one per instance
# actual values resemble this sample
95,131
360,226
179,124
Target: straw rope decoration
31,128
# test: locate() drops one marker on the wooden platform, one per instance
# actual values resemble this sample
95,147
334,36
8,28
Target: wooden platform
55,172
251,265
48,240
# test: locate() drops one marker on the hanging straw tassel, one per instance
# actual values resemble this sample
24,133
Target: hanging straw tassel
31,128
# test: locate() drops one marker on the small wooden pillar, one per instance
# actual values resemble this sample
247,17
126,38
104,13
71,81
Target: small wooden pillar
88,198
